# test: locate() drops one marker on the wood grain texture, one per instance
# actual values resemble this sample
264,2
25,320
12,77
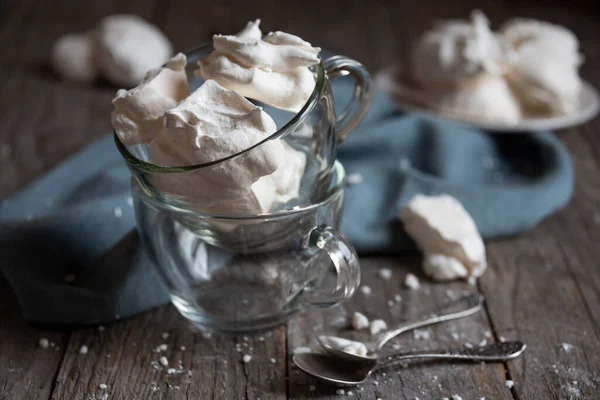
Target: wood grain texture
126,357
542,287
27,371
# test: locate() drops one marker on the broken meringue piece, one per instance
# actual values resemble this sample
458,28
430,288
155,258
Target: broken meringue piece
127,47
455,51
447,235
138,113
72,58
274,70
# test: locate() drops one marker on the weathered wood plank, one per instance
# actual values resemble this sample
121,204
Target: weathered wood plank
125,356
422,380
544,288
27,371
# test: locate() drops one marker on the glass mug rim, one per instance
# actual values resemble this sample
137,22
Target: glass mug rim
310,104
334,191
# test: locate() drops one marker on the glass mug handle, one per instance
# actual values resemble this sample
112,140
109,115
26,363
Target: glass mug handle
362,96
345,260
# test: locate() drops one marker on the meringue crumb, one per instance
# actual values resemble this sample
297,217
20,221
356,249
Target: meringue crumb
456,397
102,386
502,339
397,298
273,361
421,334
44,343
366,290
246,359
101,328
300,350
312,388
385,273
165,335
359,321
349,394
182,348
118,212
83,349
340,392
483,343
163,360
472,281
567,347
411,281
354,179
509,384
377,326
390,303
129,201
405,164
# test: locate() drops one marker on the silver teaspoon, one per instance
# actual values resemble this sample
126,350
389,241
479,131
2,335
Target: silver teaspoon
341,348
340,372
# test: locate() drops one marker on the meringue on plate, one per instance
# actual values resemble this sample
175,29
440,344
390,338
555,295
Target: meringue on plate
486,99
456,69
456,51
273,70
545,74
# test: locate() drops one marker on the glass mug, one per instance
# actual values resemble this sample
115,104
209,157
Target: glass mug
315,131
269,267
230,268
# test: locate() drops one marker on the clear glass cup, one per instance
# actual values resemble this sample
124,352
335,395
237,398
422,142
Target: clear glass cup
315,131
238,274
230,264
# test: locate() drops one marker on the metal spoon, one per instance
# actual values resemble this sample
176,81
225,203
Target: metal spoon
462,307
340,372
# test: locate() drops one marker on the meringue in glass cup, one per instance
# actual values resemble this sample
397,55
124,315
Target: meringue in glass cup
238,261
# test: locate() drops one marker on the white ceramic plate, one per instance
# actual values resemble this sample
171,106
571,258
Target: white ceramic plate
589,105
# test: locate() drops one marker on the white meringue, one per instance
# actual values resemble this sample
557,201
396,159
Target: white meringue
128,46
454,51
211,124
251,30
487,99
443,268
73,59
446,234
286,179
138,113
560,40
545,75
544,84
274,70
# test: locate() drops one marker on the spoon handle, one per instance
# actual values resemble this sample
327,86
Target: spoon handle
501,351
467,305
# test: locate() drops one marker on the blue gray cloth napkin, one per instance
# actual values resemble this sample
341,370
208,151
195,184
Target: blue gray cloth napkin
68,250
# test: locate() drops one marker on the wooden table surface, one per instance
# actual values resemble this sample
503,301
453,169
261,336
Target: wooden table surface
542,287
